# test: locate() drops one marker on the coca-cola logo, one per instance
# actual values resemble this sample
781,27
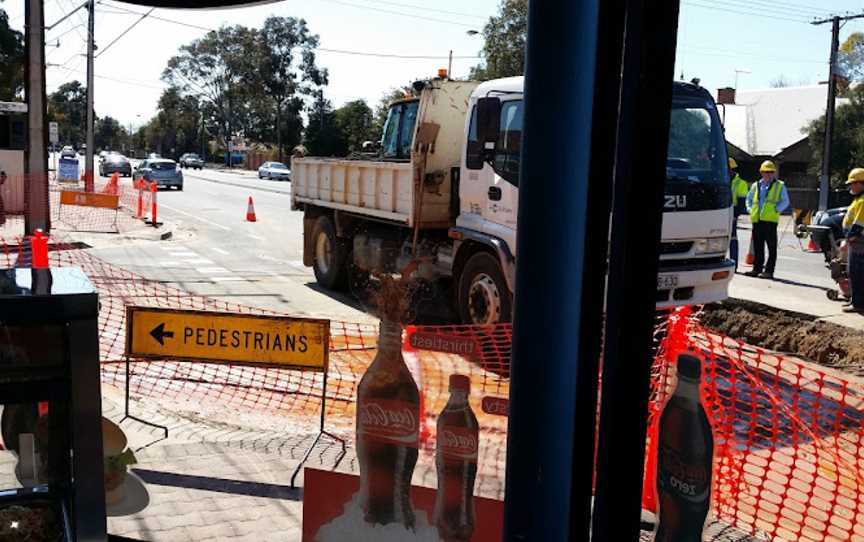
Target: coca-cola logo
496,406
458,443
394,421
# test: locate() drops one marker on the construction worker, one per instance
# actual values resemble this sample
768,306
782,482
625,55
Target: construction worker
740,188
766,199
853,225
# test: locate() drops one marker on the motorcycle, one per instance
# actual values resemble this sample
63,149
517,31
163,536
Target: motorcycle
826,232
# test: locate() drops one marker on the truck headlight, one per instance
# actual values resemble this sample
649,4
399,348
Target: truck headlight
711,245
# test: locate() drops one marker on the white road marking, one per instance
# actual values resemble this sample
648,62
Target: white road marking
220,226
208,270
221,251
227,279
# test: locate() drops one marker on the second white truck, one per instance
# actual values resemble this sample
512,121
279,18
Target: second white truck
443,193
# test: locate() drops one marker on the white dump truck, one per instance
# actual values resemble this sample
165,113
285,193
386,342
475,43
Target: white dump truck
442,192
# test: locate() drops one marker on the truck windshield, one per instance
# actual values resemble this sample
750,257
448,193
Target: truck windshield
399,130
696,146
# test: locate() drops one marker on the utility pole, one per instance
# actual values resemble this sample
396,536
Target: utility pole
35,156
824,179
91,47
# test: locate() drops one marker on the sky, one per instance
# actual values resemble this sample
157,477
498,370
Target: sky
762,39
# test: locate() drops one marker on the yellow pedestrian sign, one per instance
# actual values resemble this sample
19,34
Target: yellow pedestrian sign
271,341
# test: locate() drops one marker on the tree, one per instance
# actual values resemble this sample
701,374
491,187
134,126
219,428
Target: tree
11,60
850,57
323,135
779,82
354,119
505,35
847,145
109,135
68,107
282,65
214,69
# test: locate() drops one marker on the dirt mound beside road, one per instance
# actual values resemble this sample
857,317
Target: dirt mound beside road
798,334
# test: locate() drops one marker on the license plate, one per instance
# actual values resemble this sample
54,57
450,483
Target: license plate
667,282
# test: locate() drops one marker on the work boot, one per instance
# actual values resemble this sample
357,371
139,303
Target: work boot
752,273
852,308
766,275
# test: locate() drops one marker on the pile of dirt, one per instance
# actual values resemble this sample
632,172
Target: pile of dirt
788,332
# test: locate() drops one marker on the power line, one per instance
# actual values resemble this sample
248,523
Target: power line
400,13
133,25
424,8
781,7
764,14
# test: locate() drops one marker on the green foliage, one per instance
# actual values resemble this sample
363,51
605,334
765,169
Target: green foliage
505,35
847,146
109,135
850,57
11,61
323,135
354,120
68,107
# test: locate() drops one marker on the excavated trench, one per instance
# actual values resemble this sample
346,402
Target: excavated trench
802,335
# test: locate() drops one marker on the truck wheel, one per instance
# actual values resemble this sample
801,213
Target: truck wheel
329,255
483,294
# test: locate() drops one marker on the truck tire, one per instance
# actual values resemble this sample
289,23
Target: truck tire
329,255
483,297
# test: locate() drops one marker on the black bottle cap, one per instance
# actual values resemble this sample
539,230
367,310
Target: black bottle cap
689,366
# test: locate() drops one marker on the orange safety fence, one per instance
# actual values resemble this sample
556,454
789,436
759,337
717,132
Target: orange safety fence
789,460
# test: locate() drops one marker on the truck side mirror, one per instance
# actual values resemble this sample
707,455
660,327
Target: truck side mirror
488,125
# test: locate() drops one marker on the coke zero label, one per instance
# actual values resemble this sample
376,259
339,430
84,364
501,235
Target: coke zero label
688,480
458,443
387,420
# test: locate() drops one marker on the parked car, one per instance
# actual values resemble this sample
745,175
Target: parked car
68,152
115,163
191,160
166,173
274,170
154,156
82,150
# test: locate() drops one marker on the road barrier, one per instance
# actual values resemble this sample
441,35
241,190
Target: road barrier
154,191
789,443
76,198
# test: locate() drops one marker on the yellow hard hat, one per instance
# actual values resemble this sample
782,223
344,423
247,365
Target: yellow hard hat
767,167
856,176
732,163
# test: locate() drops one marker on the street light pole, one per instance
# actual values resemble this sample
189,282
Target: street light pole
88,163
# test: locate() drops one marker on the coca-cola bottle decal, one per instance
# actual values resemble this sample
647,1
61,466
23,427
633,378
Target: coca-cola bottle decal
456,461
388,414
684,459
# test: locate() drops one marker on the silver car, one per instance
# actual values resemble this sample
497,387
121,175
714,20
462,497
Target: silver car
166,173
274,170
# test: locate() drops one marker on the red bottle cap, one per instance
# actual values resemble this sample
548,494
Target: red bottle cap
460,382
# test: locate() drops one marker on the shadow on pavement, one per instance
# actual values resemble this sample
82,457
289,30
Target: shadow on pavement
220,485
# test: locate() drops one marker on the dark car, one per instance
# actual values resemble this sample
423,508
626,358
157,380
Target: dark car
115,163
164,172
191,160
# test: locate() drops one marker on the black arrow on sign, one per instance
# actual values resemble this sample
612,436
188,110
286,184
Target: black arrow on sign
159,334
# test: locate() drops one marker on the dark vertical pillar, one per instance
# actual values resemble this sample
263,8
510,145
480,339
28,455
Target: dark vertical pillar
553,197
37,214
649,58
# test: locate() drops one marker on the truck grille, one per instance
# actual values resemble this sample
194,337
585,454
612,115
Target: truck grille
676,247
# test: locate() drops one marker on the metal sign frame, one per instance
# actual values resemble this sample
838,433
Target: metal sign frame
324,370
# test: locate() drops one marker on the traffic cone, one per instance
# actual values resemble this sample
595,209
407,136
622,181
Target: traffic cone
812,246
250,211
750,258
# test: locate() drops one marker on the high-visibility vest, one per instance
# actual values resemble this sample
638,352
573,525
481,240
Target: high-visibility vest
740,188
854,214
768,211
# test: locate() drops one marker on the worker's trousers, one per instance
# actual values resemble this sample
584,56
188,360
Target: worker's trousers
764,234
856,273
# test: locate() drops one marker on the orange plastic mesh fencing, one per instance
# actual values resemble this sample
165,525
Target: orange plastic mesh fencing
789,463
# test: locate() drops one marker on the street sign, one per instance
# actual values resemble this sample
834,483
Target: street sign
89,199
53,133
244,339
